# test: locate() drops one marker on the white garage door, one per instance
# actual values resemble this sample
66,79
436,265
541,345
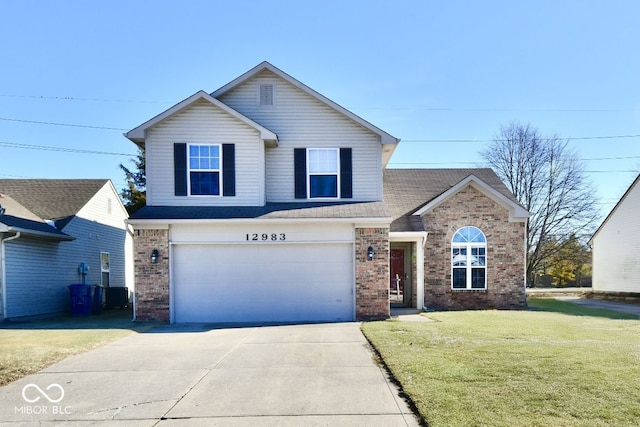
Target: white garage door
263,283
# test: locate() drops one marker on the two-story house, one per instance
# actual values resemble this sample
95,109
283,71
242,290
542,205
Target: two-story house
267,201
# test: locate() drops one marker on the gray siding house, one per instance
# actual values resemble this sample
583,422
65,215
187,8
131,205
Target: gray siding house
47,229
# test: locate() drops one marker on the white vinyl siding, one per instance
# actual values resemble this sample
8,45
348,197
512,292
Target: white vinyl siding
301,121
206,124
616,247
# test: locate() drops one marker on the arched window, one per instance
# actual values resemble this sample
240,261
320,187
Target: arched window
469,259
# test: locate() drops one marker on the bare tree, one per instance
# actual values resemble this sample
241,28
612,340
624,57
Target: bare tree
548,180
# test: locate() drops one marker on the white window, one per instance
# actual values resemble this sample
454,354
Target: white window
469,259
323,165
204,170
105,268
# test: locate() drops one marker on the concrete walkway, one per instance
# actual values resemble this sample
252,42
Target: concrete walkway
597,303
193,375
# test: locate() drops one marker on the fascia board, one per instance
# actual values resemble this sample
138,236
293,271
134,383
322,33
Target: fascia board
385,138
516,212
138,134
165,223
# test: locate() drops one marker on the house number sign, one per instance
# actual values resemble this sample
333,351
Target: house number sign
264,237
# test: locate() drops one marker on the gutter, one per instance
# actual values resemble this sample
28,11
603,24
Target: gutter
3,270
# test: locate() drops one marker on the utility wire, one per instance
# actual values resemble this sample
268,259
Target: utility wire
71,98
62,149
59,124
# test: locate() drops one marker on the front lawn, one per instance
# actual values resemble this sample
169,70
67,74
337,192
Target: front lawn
26,348
549,366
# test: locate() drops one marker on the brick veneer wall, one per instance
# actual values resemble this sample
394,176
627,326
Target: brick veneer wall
505,254
372,277
152,280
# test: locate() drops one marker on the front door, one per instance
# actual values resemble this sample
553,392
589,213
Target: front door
396,285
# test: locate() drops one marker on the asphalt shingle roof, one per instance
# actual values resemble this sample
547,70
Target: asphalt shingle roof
407,190
52,199
305,210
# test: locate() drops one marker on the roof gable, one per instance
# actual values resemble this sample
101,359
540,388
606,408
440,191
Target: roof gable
516,212
406,191
138,134
385,138
615,208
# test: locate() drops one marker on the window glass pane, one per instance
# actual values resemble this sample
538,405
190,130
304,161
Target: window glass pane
477,278
478,256
204,157
204,151
323,186
459,257
323,161
459,278
205,183
204,163
194,150
469,234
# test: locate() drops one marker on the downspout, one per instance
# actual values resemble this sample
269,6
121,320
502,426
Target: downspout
4,272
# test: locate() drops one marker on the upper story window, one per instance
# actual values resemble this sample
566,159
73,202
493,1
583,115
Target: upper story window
469,259
324,173
204,170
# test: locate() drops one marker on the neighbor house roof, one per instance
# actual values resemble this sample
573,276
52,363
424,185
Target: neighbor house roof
408,191
52,199
15,218
302,210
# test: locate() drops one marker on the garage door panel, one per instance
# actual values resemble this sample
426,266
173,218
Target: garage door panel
244,283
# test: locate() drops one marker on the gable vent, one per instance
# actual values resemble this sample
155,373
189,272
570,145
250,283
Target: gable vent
266,94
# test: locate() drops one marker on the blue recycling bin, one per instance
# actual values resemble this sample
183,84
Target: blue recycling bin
81,299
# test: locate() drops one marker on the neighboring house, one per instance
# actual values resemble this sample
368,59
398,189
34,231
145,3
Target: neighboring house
266,201
616,247
48,227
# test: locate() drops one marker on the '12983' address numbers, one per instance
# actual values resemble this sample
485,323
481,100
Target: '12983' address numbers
264,237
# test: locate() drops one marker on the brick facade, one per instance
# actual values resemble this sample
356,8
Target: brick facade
152,280
505,254
372,277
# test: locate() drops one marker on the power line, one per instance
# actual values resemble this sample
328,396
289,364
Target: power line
60,124
61,149
71,98
571,138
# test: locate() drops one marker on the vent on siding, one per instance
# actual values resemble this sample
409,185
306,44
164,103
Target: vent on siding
266,94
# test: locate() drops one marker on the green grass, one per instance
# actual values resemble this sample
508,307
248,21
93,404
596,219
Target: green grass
517,368
28,347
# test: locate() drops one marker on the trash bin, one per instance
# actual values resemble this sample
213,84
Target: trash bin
96,308
80,299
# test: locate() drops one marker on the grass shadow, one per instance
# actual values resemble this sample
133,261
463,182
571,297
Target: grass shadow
106,319
573,309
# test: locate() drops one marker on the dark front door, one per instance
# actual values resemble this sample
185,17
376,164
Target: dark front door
396,285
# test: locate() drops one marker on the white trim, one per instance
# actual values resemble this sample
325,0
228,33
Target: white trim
388,141
219,170
420,239
138,134
516,212
165,223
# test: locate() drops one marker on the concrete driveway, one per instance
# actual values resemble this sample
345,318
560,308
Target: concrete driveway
194,375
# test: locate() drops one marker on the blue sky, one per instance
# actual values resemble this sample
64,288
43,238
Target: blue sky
442,76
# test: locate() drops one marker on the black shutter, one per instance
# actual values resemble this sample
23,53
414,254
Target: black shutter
180,169
300,172
346,174
228,170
